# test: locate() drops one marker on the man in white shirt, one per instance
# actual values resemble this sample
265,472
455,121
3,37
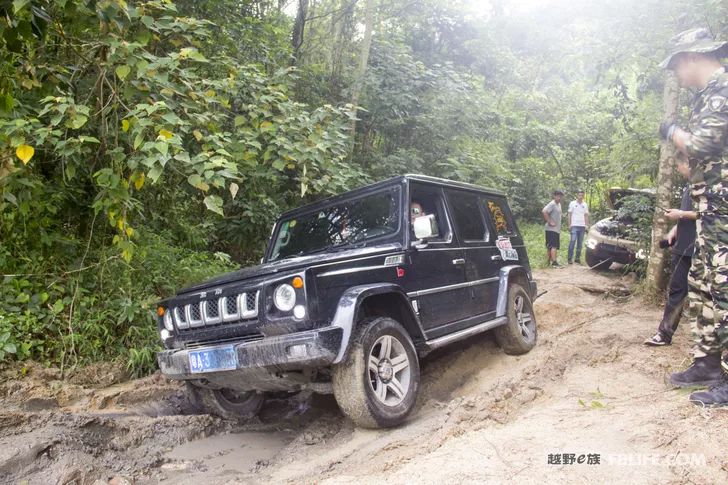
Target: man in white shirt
578,222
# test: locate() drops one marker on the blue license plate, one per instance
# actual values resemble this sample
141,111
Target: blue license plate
213,360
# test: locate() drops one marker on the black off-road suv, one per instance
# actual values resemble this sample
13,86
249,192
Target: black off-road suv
351,293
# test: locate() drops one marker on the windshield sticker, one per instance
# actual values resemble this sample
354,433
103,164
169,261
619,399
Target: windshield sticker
292,223
506,249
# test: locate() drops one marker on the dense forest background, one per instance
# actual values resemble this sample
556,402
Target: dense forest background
145,145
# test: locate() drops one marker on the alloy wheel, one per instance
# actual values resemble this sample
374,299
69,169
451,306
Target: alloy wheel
389,370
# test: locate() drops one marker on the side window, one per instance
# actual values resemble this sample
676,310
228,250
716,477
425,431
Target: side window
467,216
499,215
425,201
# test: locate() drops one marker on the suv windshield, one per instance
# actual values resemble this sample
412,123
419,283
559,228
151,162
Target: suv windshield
346,223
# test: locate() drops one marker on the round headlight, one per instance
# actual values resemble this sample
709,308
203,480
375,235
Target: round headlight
284,297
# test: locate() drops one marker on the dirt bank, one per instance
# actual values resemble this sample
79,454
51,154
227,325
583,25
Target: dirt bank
589,388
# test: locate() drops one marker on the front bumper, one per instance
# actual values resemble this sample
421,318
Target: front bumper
611,248
256,359
613,253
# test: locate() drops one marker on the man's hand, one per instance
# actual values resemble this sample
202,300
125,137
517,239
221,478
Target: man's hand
674,214
672,235
667,129
552,223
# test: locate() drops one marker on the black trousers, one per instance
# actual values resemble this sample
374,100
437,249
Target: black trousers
677,292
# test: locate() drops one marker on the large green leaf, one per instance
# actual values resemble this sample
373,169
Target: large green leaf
214,203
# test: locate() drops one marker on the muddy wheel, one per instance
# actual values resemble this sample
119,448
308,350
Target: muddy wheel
226,403
377,383
597,263
519,335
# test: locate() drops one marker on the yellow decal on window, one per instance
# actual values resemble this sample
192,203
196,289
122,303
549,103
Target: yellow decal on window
501,226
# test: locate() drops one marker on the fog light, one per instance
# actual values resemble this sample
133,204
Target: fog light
297,351
591,243
164,334
299,311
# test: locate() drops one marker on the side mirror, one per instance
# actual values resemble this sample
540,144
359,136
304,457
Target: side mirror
425,227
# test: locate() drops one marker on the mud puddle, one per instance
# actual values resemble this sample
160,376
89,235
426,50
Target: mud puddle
236,455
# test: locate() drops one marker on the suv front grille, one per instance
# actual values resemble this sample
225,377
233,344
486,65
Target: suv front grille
233,308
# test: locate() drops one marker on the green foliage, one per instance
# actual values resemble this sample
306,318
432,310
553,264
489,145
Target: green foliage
101,311
634,215
534,238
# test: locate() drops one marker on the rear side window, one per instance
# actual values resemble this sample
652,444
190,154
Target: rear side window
500,216
467,216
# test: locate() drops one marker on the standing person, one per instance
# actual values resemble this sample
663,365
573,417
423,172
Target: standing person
578,222
552,216
682,240
696,63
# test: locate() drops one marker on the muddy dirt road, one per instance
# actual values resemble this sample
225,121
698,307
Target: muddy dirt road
589,388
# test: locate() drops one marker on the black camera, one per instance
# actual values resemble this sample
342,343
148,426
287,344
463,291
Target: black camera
664,244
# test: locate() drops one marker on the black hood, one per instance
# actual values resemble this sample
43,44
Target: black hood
283,266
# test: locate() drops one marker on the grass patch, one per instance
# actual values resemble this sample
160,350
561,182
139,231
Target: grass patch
534,238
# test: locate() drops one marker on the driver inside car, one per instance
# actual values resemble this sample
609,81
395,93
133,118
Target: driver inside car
416,211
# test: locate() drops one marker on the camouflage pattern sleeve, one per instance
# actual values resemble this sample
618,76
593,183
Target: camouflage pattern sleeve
710,132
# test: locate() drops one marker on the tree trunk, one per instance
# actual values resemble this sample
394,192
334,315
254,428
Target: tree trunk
342,27
656,275
298,29
366,45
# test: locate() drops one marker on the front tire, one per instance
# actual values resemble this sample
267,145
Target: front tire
225,403
376,385
519,335
596,262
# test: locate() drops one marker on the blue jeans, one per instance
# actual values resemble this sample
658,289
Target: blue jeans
577,238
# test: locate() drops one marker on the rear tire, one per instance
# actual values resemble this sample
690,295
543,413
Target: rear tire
376,385
519,335
597,263
225,403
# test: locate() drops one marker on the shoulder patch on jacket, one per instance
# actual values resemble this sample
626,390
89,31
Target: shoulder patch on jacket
716,102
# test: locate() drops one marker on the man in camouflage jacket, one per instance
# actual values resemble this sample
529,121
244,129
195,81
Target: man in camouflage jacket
696,63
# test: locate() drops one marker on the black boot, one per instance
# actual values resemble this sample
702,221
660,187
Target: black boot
705,371
717,396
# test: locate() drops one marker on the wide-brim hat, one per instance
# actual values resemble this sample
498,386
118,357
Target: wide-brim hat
694,40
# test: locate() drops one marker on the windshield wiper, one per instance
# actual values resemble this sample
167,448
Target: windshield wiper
349,245
330,247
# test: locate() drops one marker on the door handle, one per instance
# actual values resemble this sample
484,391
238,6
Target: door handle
458,261
495,257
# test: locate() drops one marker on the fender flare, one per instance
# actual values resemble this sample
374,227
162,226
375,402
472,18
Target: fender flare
506,273
348,309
